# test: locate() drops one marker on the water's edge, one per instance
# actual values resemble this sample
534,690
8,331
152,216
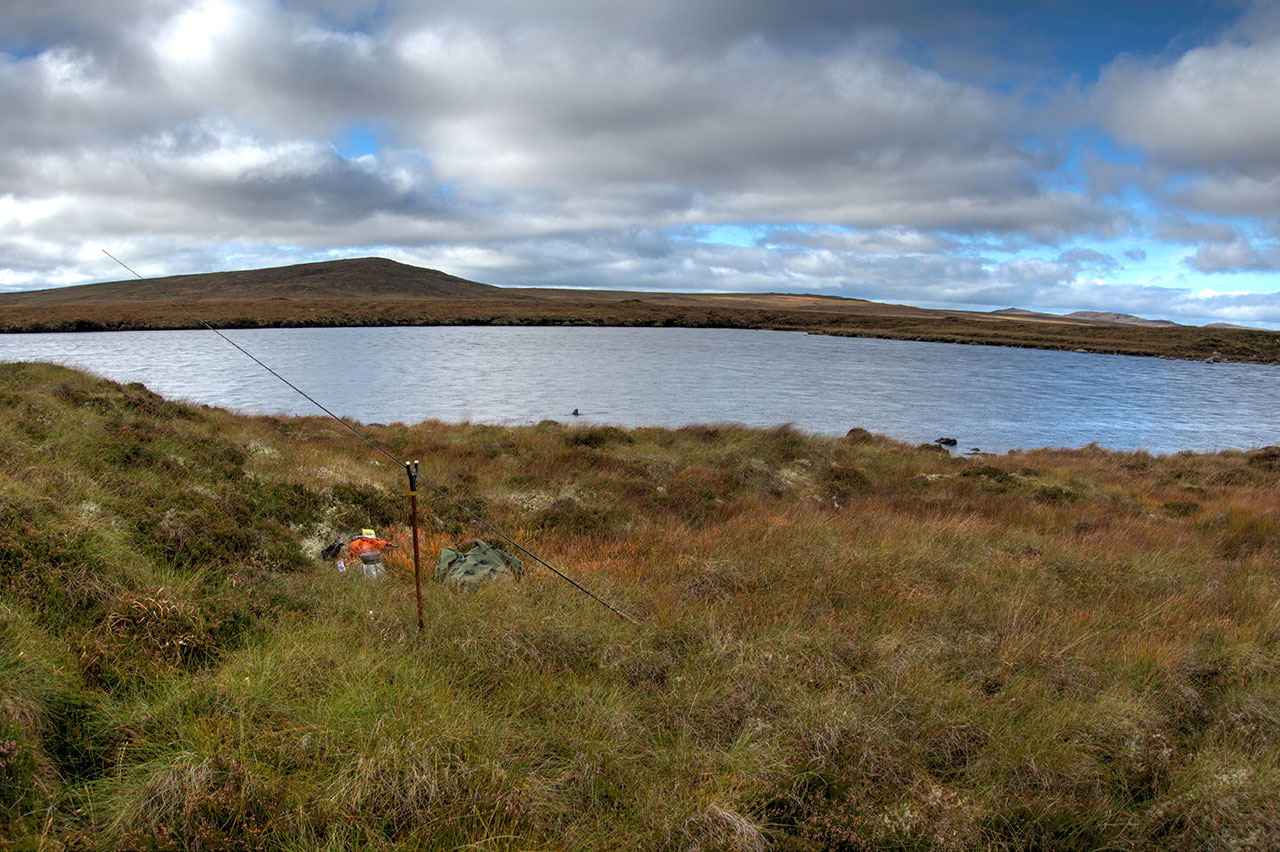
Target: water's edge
988,398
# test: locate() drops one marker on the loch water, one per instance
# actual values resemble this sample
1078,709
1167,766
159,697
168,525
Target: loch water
989,398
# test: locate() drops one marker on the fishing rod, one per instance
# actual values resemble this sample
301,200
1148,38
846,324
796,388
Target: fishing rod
410,468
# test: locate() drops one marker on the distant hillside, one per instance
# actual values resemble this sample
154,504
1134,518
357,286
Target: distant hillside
1091,317
370,278
1024,315
1122,319
369,292
359,278
1232,325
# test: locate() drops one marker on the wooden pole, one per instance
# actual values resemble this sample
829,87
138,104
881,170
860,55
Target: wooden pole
417,569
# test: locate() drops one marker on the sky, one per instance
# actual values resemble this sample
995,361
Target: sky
1054,156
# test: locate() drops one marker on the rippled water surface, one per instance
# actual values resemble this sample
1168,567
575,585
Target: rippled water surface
987,397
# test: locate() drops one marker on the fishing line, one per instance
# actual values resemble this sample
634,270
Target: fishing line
353,430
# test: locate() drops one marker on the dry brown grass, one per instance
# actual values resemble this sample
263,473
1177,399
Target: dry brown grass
377,292
842,644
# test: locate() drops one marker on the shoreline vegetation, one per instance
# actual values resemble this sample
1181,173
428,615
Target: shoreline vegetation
377,292
843,643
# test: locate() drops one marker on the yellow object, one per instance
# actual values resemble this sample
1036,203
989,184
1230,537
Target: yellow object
367,533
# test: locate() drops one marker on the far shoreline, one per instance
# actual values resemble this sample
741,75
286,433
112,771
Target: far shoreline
377,292
1186,343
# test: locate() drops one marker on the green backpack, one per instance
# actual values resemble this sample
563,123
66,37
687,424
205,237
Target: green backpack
477,566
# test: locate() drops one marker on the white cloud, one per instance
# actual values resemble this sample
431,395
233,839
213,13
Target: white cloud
1238,255
210,122
749,133
1179,229
1083,258
1209,108
1205,119
1232,195
571,142
892,240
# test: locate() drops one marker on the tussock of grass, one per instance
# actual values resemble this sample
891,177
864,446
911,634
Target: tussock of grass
843,643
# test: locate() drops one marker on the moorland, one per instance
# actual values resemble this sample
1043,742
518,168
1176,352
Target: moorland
839,643
380,292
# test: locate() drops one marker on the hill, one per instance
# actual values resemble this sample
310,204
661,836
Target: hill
1083,317
1231,325
1121,319
379,292
379,279
359,278
841,643
1024,315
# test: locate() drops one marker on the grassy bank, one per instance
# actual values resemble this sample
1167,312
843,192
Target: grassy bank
846,318
371,292
842,643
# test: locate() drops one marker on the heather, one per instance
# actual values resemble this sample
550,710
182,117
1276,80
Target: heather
840,643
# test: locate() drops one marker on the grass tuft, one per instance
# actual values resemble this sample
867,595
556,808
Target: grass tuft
843,643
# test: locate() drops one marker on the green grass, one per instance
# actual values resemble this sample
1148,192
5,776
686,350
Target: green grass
842,643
